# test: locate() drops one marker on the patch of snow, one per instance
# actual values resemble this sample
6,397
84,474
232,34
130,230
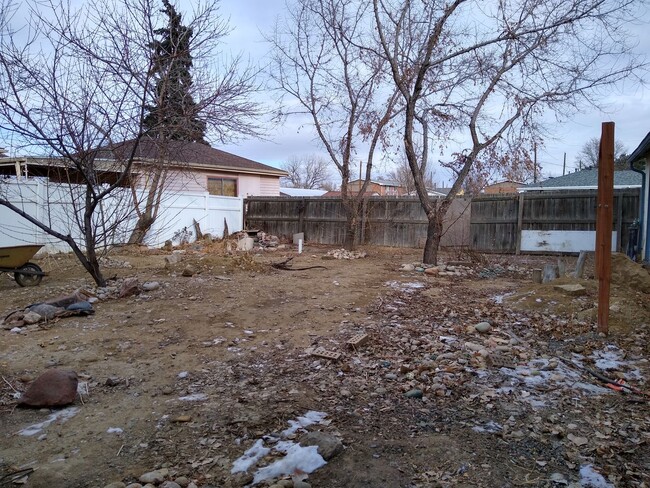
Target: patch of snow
591,478
499,298
195,397
608,359
61,415
297,459
114,430
250,457
406,287
490,427
183,374
308,419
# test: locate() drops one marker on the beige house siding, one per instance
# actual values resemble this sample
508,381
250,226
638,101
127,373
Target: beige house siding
197,181
269,186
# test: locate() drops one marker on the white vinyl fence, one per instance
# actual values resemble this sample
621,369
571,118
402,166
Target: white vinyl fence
54,205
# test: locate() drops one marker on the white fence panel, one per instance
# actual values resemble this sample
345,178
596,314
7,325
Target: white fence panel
53,205
560,240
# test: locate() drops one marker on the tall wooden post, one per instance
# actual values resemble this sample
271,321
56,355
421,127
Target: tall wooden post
604,221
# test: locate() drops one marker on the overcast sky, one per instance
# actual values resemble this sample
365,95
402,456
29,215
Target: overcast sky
628,107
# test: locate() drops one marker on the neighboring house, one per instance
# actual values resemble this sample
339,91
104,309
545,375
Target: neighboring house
196,167
201,184
192,168
378,188
639,162
587,179
501,187
301,192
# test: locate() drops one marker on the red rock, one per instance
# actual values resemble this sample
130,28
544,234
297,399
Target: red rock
54,388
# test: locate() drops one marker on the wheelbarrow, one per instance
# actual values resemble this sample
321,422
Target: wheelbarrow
15,260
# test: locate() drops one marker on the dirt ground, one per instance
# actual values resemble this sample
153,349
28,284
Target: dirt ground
188,376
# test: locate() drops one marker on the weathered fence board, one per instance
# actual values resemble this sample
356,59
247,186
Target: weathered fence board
496,221
386,221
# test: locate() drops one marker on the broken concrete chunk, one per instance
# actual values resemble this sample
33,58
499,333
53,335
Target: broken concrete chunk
54,388
574,290
32,318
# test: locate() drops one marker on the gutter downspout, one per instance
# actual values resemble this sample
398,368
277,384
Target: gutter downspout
643,206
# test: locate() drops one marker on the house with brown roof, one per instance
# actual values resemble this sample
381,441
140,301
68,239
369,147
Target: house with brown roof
195,167
190,167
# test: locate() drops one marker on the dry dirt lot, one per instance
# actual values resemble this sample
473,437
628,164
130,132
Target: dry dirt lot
189,376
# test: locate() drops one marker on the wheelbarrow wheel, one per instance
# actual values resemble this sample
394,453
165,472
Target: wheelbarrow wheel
29,279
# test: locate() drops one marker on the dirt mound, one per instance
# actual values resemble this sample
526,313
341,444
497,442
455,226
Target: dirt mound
628,273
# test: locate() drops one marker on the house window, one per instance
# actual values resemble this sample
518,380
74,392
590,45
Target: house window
226,187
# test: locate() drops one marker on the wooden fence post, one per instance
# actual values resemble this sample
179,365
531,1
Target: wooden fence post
605,214
520,222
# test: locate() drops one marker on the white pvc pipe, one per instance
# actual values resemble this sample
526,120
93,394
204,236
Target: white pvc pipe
299,246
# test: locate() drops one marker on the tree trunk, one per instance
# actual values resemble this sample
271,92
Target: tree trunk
142,226
349,242
434,234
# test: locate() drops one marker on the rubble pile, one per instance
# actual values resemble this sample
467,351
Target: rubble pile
344,254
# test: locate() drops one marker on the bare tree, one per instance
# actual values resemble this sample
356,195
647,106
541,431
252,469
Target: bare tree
76,83
588,155
402,174
321,64
307,172
489,70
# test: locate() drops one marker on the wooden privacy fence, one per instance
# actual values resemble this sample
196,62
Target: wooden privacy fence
499,222
386,221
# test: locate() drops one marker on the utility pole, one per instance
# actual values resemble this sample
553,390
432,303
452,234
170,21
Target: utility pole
535,163
564,165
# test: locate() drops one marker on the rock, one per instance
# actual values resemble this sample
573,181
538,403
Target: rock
116,484
45,310
419,269
483,327
242,479
574,290
182,481
473,347
169,245
188,271
54,388
328,444
407,267
31,318
112,381
285,483
414,393
129,287
301,484
134,485
432,271
155,477
150,285
172,259
170,484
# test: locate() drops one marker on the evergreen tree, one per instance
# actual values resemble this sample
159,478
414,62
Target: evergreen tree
174,114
